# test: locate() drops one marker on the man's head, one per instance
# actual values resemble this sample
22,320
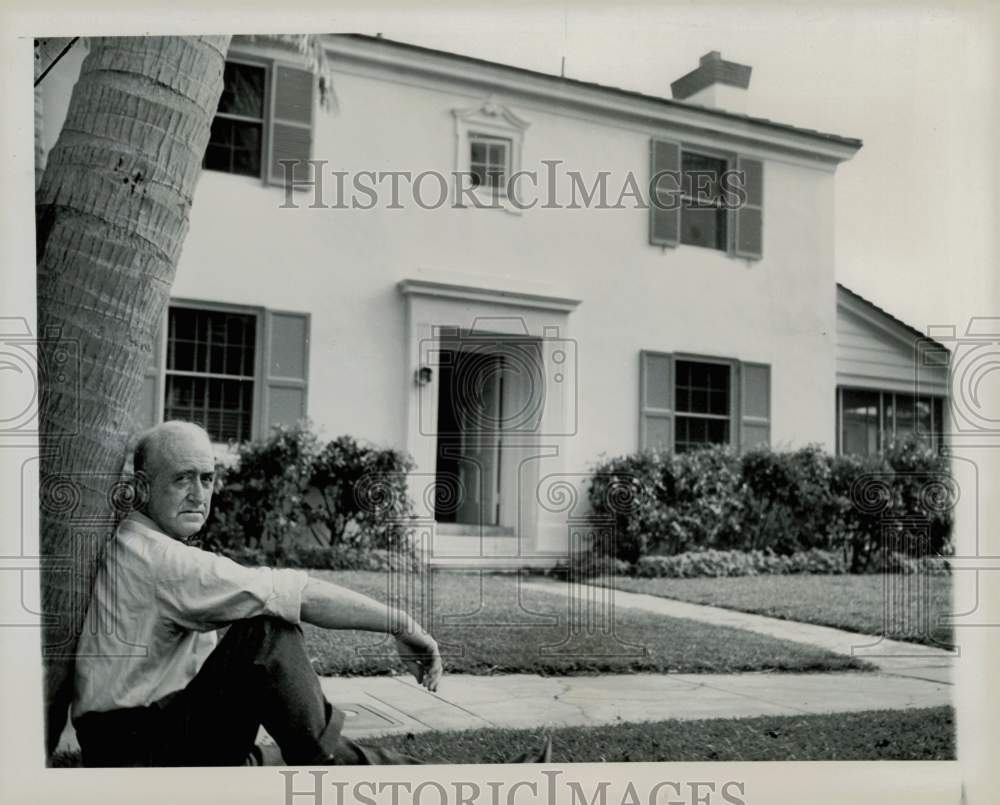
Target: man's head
177,462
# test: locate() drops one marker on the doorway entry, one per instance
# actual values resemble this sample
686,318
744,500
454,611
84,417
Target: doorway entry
490,401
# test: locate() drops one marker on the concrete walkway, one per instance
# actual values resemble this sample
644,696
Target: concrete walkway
390,705
890,656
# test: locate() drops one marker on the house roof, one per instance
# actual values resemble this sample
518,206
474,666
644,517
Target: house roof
883,312
851,142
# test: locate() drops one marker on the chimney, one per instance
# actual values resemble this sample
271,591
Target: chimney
716,83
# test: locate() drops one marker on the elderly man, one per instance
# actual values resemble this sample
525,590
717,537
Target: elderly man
154,684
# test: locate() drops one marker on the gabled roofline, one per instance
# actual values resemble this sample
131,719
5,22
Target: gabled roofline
874,311
416,59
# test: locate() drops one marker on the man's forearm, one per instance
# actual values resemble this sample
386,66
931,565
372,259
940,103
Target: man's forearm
333,607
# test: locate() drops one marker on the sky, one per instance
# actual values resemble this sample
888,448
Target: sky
916,208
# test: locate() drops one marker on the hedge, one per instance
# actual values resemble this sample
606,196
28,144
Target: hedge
786,503
290,487
722,564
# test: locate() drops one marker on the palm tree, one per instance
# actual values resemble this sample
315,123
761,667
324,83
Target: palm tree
111,216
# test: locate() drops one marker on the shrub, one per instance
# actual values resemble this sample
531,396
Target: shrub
329,557
289,487
716,564
785,503
259,501
361,496
666,503
789,501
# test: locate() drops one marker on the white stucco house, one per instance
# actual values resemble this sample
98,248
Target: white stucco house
512,321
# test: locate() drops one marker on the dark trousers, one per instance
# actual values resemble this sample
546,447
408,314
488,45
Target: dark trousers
259,674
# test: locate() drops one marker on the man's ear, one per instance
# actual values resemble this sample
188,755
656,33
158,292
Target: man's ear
140,490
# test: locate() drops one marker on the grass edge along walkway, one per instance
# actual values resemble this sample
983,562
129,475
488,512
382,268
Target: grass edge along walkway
917,734
489,624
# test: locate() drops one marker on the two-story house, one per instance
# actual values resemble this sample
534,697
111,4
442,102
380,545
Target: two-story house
508,274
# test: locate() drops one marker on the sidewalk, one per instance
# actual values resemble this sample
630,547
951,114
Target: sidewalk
390,705
890,656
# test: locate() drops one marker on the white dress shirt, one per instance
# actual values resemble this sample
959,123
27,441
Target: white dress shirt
155,608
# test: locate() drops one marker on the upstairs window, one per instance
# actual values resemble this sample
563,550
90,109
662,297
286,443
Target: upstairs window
703,215
264,118
707,200
489,162
237,139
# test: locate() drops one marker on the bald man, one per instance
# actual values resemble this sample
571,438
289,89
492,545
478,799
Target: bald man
154,684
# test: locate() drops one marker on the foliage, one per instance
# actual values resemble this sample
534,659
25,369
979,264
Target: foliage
361,495
259,500
674,501
712,563
289,486
786,503
329,557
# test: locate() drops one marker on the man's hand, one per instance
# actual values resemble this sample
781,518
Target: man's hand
419,653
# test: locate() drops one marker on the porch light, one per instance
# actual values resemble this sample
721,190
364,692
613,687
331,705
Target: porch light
423,375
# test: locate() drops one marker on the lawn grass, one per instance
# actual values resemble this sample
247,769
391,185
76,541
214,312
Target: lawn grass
486,624
852,602
921,734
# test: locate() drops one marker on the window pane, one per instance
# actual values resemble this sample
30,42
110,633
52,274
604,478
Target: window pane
860,422
700,177
219,344
234,146
702,387
903,412
922,415
478,153
703,226
243,90
692,432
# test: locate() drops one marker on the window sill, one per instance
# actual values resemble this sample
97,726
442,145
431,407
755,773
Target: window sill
488,201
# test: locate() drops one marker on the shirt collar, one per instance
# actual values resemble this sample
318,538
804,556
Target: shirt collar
140,523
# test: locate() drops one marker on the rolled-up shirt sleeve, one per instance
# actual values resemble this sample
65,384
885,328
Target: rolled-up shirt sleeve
202,591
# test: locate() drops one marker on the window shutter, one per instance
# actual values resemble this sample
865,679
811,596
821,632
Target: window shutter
286,369
656,396
755,397
149,408
665,224
748,240
291,122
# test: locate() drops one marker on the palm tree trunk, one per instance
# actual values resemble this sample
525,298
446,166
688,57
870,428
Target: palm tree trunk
111,215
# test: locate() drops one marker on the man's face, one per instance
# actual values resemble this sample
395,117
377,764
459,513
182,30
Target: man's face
182,476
